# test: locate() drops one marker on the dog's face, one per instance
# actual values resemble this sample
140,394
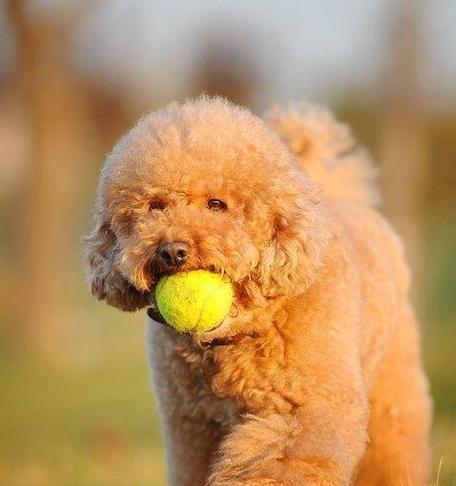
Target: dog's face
203,185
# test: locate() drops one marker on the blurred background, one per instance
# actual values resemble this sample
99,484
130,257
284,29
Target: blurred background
74,75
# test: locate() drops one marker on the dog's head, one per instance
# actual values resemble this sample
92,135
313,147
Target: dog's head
203,185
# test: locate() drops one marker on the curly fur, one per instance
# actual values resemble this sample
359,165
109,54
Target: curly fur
314,378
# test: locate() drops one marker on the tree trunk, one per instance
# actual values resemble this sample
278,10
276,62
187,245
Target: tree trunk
404,152
54,111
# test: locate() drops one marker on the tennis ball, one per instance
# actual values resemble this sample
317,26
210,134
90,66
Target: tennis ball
196,301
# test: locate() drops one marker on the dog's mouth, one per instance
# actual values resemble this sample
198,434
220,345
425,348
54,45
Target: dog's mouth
153,312
154,270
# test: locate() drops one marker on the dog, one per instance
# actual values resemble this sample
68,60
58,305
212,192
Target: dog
314,378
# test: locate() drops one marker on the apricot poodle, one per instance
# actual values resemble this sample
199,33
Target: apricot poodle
314,378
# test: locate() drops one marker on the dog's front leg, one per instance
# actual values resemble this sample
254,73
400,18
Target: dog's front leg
189,447
190,438
312,446
320,441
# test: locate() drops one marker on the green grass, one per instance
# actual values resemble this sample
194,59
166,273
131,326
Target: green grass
440,362
84,421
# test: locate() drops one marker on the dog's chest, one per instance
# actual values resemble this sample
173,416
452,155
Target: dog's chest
248,376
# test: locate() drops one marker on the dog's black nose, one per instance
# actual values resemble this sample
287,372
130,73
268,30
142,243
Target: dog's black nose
173,254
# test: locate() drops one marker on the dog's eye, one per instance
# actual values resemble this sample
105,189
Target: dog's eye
156,205
216,205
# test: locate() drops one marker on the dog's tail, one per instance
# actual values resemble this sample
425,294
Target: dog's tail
326,150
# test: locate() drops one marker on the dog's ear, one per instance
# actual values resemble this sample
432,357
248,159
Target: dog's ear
105,280
291,261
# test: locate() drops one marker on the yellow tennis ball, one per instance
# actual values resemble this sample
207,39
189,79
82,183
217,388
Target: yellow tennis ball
193,302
